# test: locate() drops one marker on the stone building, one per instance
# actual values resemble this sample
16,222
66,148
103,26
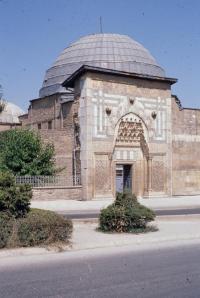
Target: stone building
9,115
108,108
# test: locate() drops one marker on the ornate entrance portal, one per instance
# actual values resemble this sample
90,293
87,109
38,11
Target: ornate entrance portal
131,156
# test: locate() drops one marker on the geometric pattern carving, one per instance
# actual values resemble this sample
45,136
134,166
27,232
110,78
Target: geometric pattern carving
158,176
102,174
129,132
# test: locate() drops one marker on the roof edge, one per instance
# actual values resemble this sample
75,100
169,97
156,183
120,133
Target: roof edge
46,96
69,82
179,103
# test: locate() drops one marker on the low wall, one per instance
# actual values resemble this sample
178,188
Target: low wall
57,193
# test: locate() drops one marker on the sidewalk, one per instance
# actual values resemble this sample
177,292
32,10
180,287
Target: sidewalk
74,206
171,233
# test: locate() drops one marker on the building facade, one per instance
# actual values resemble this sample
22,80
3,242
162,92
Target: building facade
108,108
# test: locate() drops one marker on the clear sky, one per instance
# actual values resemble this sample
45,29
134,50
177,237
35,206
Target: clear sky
34,32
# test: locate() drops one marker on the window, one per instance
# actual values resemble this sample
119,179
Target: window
49,124
39,126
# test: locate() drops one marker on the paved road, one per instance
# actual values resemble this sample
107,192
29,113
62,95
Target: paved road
170,273
163,212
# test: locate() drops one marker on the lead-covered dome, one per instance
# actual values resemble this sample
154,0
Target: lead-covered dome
112,51
9,113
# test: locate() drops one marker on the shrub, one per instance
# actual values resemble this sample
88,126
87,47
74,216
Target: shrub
126,214
125,199
43,227
14,199
6,229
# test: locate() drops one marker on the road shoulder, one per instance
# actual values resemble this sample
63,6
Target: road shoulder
172,231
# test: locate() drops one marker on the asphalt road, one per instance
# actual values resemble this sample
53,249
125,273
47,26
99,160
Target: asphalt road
172,272
164,212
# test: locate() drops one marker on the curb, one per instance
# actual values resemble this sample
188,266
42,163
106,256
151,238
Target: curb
36,251
94,214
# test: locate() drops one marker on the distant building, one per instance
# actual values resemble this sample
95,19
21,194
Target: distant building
107,106
9,115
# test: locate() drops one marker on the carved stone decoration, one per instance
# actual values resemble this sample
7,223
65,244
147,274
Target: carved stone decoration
129,132
108,111
158,176
102,174
154,115
144,146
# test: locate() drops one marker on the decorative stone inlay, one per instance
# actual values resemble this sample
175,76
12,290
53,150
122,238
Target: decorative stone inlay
104,124
186,138
127,154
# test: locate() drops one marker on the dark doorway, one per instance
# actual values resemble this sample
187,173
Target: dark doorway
123,177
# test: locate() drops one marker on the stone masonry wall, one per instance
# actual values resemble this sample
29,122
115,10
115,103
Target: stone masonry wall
98,130
186,150
4,127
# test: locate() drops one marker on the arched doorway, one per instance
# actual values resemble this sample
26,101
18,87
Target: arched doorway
131,155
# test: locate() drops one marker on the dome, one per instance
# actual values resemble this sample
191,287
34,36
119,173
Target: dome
10,113
111,51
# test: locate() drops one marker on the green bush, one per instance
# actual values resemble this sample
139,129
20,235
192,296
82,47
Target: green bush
125,199
14,199
6,229
43,227
126,214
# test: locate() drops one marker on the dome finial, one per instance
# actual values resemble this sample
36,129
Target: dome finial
100,23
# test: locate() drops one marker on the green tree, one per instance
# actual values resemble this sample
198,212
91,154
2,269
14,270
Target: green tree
22,152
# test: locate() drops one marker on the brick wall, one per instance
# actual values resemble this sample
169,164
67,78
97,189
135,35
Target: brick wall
59,193
63,143
43,110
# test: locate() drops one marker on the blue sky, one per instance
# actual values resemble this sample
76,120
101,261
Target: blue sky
34,32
